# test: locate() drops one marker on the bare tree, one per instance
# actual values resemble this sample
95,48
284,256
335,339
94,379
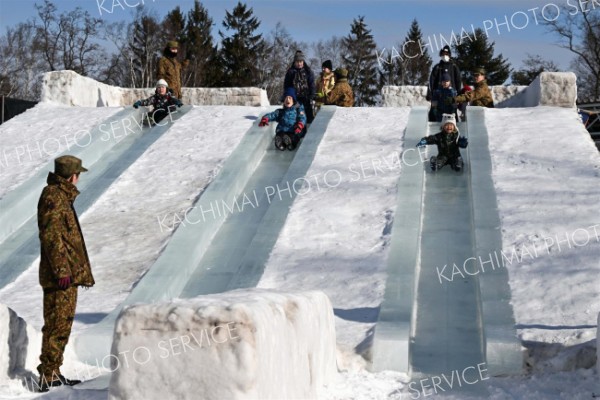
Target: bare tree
580,33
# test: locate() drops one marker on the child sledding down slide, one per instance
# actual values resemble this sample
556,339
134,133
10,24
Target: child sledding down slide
162,103
291,121
448,143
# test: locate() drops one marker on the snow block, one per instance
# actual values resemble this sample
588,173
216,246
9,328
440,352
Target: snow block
404,96
248,344
72,89
15,339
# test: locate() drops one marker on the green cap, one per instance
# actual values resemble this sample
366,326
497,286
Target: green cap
172,43
480,71
66,166
341,72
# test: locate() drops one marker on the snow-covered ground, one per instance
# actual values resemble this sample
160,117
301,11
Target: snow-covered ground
545,170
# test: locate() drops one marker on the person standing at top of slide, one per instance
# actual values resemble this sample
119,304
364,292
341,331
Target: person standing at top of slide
169,68
301,78
446,65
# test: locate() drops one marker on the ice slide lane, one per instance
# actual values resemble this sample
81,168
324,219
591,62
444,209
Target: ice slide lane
429,325
106,159
222,250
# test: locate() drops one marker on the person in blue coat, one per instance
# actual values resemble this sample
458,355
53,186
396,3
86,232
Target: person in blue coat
443,98
291,121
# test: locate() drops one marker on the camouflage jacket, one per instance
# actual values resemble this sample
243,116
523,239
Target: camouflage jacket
341,95
480,96
325,85
169,69
63,251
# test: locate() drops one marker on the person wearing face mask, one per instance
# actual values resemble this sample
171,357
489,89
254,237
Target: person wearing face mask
445,66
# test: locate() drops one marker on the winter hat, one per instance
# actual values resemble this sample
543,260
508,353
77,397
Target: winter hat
172,44
446,77
289,91
299,56
480,71
445,49
327,64
162,82
341,72
448,119
66,166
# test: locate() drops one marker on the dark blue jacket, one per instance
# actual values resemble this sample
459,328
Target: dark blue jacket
440,95
287,117
303,80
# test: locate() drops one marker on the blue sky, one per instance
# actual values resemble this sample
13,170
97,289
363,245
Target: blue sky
389,20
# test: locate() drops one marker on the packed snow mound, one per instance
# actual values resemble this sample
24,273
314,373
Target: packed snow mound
71,89
247,344
558,89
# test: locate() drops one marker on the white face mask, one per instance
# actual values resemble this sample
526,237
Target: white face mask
445,58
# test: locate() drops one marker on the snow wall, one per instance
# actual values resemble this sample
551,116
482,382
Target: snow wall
19,346
71,89
244,344
557,89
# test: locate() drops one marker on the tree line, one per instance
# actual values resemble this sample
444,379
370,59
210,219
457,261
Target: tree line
241,56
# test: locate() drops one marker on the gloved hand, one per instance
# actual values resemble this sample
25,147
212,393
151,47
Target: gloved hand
422,143
463,142
65,282
179,103
264,121
449,100
428,97
137,104
298,128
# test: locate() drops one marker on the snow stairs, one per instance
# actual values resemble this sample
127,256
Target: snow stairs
105,157
433,321
236,222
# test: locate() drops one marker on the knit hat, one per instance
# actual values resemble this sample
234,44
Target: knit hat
289,91
445,49
446,77
327,64
299,56
162,82
341,72
480,71
172,44
448,119
66,166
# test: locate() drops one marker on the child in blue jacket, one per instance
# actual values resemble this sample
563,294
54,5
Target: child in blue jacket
444,98
290,119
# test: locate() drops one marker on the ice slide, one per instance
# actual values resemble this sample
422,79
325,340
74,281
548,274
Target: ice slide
114,146
230,230
432,321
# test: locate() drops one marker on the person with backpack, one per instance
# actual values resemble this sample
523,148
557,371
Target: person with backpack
301,78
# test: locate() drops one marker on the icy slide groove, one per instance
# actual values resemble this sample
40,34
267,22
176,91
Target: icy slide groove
222,250
106,160
430,325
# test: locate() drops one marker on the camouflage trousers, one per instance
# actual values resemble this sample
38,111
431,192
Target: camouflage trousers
59,311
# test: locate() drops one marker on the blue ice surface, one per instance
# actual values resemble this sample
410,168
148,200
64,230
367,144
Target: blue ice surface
429,325
181,260
105,159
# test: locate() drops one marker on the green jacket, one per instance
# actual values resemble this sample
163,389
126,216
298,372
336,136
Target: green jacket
480,96
63,251
341,95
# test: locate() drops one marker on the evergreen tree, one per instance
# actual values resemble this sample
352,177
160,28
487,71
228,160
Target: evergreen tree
361,62
391,71
173,27
534,65
478,52
204,69
241,49
416,64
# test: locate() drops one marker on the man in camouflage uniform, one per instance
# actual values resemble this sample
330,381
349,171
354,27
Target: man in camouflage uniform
341,95
481,95
169,68
64,265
